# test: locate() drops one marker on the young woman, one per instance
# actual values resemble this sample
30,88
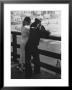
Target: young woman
24,38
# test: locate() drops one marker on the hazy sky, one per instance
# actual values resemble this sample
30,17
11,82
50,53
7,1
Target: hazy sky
50,19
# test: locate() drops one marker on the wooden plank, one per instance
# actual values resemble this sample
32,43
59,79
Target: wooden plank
17,55
54,38
16,33
14,47
50,54
46,35
43,35
49,67
17,45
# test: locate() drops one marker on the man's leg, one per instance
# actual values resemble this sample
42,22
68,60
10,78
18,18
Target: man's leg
36,61
28,68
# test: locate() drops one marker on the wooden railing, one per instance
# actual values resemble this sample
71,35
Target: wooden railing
43,52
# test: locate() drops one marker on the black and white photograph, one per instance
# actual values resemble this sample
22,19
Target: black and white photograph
32,49
36,44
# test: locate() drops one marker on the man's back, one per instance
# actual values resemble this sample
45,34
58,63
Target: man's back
34,35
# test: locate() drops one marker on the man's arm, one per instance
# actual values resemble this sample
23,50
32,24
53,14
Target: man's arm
45,31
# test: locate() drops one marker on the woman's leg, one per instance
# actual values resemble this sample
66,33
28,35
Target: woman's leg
22,56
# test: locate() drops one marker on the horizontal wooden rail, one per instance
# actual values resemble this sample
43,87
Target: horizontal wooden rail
50,54
16,55
15,32
43,35
46,53
54,38
17,45
49,67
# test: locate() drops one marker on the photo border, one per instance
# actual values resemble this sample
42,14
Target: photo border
2,26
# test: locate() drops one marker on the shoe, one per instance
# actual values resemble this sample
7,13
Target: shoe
28,72
20,68
36,72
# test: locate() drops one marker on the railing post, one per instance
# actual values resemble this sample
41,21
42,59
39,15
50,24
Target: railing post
14,47
58,65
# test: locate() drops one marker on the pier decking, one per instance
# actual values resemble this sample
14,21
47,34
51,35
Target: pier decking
44,74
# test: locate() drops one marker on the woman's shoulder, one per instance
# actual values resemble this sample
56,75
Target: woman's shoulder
27,26
25,29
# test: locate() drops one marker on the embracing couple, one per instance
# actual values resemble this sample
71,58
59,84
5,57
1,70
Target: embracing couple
30,37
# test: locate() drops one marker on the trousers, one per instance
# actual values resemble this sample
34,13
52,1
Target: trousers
31,50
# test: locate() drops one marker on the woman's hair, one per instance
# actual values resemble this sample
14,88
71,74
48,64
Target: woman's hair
26,21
